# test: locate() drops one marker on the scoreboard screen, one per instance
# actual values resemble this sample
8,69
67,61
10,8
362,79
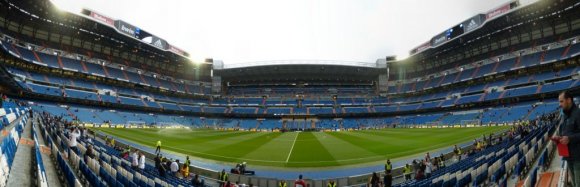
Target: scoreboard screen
455,31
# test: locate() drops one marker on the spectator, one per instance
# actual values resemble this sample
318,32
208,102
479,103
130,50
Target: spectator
126,152
428,169
73,140
388,179
441,161
112,142
135,159
457,152
374,181
300,182
161,169
197,182
174,167
185,171
570,134
157,160
141,161
89,153
419,175
168,163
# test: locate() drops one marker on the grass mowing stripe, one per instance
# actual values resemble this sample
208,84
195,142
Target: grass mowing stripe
291,148
242,148
367,144
311,152
340,148
276,149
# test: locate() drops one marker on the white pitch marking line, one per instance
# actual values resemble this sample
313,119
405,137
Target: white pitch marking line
292,148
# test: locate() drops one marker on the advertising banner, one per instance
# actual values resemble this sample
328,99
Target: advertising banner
103,19
420,48
473,23
127,28
439,39
498,11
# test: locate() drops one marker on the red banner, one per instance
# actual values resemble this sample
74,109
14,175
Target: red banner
498,11
103,19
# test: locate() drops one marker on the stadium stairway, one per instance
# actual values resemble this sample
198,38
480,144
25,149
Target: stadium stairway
21,167
65,171
47,159
546,170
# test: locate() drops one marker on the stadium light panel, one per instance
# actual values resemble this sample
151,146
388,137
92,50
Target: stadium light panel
197,60
402,56
62,5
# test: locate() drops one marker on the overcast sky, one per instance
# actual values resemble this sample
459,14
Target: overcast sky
238,31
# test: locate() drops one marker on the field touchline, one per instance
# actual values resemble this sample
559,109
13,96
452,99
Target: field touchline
291,148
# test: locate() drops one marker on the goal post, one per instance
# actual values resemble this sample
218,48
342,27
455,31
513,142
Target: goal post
433,124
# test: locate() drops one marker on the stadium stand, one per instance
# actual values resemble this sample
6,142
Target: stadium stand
104,81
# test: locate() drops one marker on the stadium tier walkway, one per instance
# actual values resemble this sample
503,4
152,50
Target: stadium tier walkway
20,174
51,173
292,173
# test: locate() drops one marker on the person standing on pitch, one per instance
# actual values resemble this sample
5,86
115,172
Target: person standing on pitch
158,149
570,134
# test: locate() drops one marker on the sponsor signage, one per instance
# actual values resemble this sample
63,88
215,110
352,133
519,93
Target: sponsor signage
176,50
159,43
472,23
498,11
134,32
127,28
420,48
102,19
439,39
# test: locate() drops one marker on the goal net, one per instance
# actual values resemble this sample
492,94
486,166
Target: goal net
434,124
470,123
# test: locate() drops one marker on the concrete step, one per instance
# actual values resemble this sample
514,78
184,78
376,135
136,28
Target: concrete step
21,170
47,159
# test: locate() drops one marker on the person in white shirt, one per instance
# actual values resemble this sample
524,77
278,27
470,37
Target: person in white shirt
428,169
85,135
134,160
174,167
141,161
74,135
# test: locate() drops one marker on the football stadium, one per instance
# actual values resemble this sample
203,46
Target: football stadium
91,99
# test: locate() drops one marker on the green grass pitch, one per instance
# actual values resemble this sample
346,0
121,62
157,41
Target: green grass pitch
302,149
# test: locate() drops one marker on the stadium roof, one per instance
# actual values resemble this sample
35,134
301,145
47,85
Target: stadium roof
259,30
301,62
307,73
